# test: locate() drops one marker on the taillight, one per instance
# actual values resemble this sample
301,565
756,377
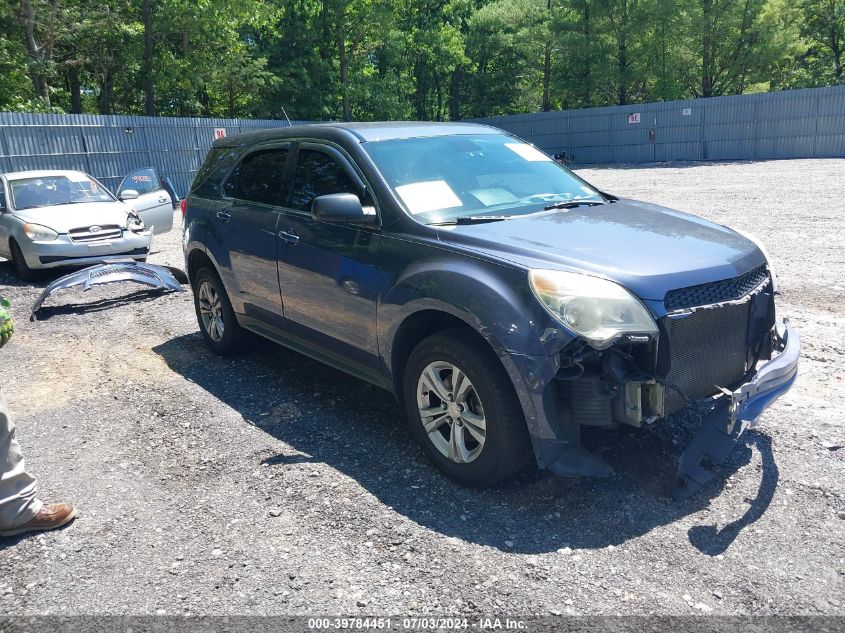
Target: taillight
184,206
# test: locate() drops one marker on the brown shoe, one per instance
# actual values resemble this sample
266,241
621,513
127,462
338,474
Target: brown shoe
50,517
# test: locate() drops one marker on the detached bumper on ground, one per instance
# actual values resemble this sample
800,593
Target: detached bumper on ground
159,277
737,410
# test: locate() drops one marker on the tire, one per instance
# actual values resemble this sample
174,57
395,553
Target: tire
488,396
216,319
21,267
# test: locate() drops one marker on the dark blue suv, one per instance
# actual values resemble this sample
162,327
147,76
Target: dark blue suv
505,301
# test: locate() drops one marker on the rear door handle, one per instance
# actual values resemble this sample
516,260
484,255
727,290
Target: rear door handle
289,236
225,217
162,199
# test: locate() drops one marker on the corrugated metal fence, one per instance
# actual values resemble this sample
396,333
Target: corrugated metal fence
789,124
109,147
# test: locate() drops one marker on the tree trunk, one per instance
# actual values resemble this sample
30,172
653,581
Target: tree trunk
455,94
586,74
623,71
106,86
147,68
35,52
547,61
344,63
547,73
707,49
75,90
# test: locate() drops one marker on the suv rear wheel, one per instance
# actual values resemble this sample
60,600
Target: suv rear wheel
463,409
215,316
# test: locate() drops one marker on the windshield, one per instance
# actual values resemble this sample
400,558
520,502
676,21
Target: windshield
443,178
46,191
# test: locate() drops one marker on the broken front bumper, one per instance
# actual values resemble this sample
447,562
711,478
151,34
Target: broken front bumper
738,409
159,277
65,252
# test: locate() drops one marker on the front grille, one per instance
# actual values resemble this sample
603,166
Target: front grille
707,350
716,292
100,233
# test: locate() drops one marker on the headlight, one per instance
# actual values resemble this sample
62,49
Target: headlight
134,221
38,233
759,244
597,309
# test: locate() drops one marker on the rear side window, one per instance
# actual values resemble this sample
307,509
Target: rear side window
213,169
2,196
317,174
258,177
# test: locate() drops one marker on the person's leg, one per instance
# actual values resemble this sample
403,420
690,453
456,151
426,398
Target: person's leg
18,504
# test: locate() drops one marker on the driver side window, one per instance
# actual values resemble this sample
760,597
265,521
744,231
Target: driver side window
2,197
317,174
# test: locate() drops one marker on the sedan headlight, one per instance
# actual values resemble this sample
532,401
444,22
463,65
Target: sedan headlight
38,233
597,309
134,221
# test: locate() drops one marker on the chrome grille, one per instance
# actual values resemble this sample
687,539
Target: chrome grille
707,350
716,292
96,233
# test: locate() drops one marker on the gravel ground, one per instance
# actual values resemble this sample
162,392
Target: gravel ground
270,484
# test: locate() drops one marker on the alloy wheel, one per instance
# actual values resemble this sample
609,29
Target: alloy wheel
211,310
451,412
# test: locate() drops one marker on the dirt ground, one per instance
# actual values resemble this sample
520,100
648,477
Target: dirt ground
270,484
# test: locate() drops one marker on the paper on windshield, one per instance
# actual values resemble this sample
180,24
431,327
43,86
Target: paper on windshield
528,152
494,196
430,195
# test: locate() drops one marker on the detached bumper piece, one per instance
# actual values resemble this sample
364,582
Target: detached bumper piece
159,277
737,410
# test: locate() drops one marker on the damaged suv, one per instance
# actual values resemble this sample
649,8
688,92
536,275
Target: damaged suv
506,302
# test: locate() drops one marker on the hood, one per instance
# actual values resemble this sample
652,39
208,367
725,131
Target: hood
64,217
646,248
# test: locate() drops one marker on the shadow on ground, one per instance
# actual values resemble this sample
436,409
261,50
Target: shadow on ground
329,417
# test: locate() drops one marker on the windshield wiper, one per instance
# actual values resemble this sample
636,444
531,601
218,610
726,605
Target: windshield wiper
571,204
472,219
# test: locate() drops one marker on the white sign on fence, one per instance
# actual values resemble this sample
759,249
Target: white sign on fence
219,132
634,118
686,111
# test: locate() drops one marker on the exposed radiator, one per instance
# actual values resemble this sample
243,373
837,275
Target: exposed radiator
707,350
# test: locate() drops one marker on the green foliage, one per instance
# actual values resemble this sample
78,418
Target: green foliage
400,59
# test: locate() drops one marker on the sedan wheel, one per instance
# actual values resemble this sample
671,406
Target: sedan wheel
211,310
451,412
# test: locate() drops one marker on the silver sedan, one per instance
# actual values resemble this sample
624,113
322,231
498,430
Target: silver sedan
65,218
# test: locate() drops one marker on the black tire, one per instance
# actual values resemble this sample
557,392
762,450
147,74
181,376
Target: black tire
234,339
507,447
21,267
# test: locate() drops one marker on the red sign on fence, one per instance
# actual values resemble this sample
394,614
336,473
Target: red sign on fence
219,132
634,118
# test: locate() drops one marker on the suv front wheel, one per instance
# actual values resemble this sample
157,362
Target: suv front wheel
463,409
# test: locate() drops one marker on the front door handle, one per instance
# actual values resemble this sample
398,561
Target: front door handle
223,216
162,199
289,236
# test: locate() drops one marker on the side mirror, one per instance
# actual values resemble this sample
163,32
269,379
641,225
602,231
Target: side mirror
342,207
128,194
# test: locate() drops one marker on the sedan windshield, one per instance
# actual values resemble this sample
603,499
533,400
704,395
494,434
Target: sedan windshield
47,191
443,178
